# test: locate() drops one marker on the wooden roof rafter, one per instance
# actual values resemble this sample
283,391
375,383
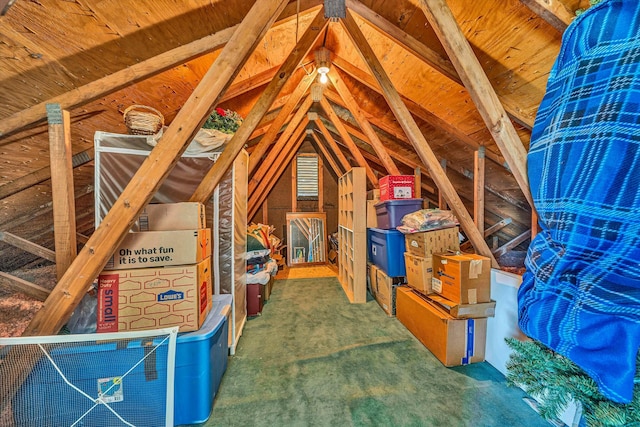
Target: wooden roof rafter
233,147
415,136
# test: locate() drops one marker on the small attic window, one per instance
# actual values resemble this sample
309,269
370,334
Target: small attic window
307,177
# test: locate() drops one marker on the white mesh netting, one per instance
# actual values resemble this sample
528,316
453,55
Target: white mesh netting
115,379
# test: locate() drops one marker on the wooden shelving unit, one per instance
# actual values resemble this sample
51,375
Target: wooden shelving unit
352,234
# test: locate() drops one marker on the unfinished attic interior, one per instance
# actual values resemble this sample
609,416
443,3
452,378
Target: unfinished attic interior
102,109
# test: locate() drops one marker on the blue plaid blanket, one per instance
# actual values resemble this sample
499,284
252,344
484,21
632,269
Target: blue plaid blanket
581,290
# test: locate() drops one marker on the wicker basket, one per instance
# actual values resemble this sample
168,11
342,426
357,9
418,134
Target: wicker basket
141,122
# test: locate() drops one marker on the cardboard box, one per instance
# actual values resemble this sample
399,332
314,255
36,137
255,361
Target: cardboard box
453,341
161,248
372,217
373,194
427,243
384,291
171,216
419,272
393,187
465,311
463,278
151,298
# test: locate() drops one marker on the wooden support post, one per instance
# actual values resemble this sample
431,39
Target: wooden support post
271,134
442,203
415,136
294,184
417,176
362,121
489,231
112,230
272,157
28,246
478,185
320,185
334,146
265,212
479,87
535,224
62,193
348,141
233,147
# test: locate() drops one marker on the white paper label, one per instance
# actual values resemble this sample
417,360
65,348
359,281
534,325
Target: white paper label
110,389
436,284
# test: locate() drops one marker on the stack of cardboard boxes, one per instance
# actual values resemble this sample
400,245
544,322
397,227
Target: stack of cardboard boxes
448,298
160,275
385,244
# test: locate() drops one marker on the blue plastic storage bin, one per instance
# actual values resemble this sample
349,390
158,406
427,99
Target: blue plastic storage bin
201,360
390,212
385,248
46,400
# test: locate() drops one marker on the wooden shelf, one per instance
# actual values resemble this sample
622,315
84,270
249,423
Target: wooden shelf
352,234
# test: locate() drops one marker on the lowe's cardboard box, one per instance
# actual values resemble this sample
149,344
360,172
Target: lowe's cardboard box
151,298
453,341
462,278
161,248
171,216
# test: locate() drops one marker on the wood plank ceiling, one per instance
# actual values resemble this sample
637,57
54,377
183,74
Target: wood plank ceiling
97,57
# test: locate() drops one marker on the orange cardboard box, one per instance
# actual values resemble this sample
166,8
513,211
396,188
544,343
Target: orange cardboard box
462,278
151,298
171,216
453,341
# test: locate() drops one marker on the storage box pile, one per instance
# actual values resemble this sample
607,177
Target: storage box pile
262,266
160,276
447,300
385,244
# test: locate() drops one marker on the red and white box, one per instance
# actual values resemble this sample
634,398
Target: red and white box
395,187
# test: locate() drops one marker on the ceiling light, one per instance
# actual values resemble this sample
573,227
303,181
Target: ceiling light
323,60
323,78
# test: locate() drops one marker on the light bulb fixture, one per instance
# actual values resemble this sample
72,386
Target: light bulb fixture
323,78
323,60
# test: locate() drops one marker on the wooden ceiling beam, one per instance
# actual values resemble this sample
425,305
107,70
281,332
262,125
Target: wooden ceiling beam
444,163
554,12
272,157
346,138
241,136
333,145
283,155
135,73
419,111
112,230
362,121
477,83
415,136
425,54
279,121
325,152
